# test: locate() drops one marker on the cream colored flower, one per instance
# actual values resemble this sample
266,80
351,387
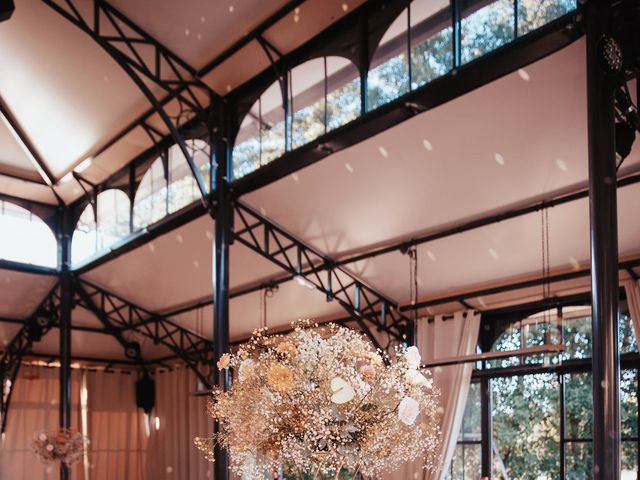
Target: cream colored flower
49,448
408,410
42,437
412,355
224,361
367,372
414,377
287,349
342,391
280,377
246,370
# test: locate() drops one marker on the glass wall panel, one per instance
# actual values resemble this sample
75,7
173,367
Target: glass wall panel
113,217
84,242
183,188
261,137
25,237
533,14
150,204
526,426
485,26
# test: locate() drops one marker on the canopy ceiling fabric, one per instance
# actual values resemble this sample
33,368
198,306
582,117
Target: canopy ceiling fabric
519,139
71,98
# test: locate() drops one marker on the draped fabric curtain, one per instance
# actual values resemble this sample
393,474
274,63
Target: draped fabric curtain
35,406
442,338
181,417
632,289
116,427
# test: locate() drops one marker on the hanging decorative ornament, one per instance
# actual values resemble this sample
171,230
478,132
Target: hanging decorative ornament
59,446
320,402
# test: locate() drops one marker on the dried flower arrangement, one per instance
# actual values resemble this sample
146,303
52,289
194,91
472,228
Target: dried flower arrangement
62,445
320,401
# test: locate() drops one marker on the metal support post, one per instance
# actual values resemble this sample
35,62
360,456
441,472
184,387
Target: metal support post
603,61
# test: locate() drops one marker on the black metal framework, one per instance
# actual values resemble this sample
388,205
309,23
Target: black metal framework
317,271
127,44
34,328
123,316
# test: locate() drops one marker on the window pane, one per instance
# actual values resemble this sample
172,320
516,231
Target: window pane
25,238
150,204
431,40
485,28
626,335
466,463
533,14
577,460
629,460
113,217
343,92
510,339
629,403
577,337
85,237
389,73
307,101
261,137
472,421
578,406
526,433
183,188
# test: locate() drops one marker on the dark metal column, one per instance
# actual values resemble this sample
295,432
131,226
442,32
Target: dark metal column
486,427
223,213
66,304
601,64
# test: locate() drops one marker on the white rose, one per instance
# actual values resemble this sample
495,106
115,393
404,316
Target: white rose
246,369
49,448
412,355
42,437
342,391
408,410
414,377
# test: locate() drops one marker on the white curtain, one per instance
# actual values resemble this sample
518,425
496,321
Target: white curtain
632,289
115,427
180,418
34,407
441,338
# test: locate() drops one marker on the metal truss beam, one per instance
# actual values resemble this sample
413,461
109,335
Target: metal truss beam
315,270
38,324
147,62
122,315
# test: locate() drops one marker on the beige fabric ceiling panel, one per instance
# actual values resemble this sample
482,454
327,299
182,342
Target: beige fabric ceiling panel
28,190
13,159
202,30
502,253
66,92
237,69
307,21
21,293
176,268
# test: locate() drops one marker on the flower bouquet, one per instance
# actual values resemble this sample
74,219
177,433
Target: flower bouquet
320,402
61,445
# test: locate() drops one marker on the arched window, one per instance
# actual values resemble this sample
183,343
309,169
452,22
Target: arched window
324,93
25,237
417,48
111,225
158,195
